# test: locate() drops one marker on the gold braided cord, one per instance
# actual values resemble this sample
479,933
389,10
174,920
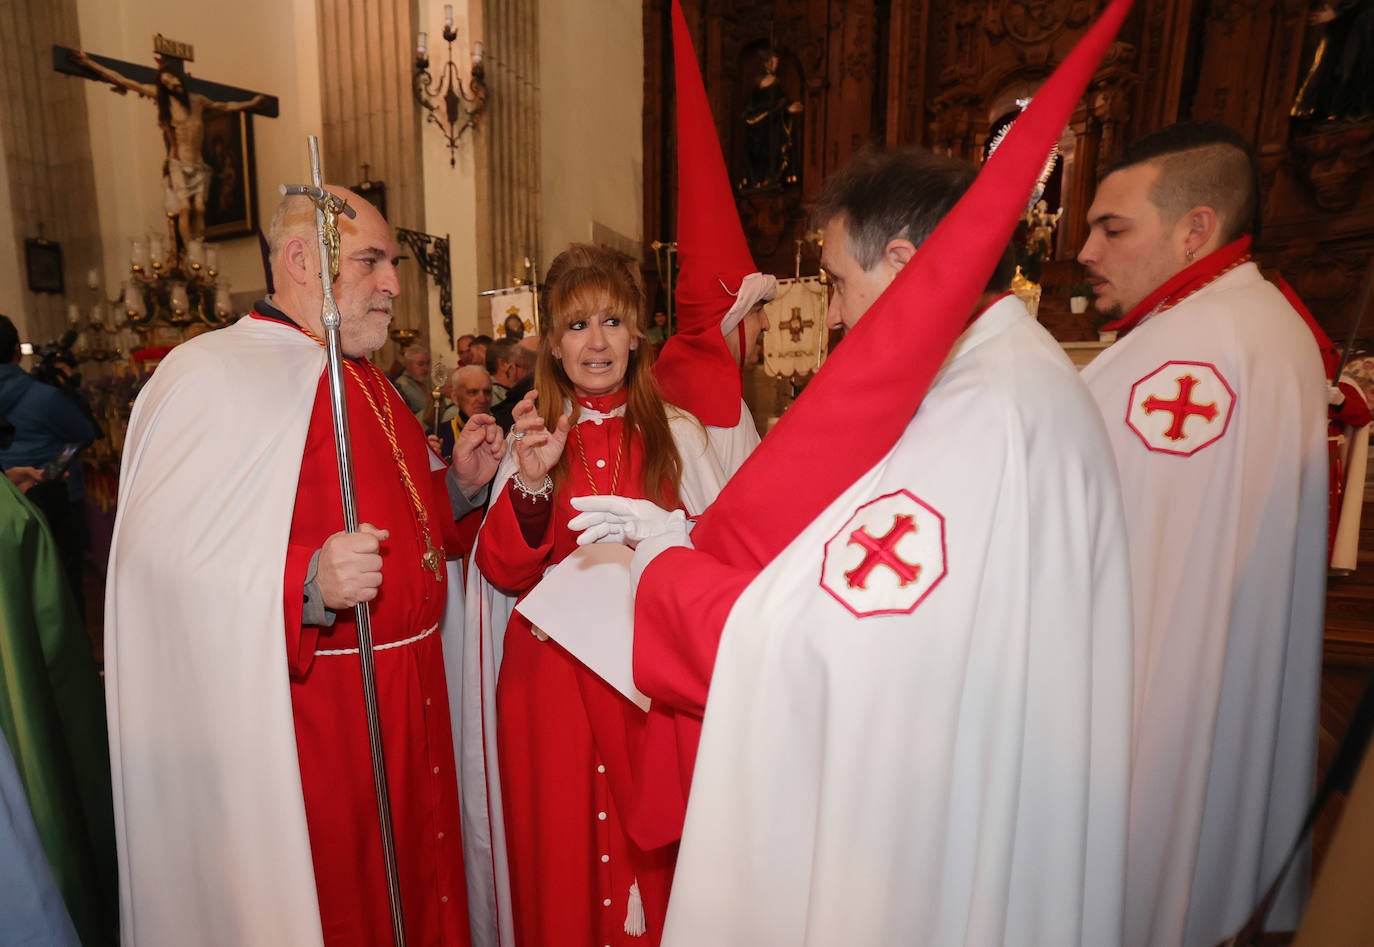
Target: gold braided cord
1168,304
619,453
388,422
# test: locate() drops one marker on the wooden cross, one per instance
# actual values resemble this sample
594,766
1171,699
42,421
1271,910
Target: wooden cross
183,104
170,53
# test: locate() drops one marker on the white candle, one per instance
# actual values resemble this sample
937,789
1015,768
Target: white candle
138,256
134,305
73,314
448,15
92,278
181,302
420,48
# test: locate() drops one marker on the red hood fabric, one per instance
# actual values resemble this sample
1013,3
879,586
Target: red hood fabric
854,410
695,369
867,391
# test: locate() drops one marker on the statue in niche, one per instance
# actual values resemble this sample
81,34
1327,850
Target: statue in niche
1040,224
772,132
1340,83
1033,239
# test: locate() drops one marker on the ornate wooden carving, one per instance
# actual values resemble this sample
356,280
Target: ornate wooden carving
940,72
1000,51
1327,276
1334,164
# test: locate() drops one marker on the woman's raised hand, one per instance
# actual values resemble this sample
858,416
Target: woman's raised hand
537,448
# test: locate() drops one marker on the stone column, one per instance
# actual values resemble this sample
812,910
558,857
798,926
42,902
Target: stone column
511,138
45,150
369,116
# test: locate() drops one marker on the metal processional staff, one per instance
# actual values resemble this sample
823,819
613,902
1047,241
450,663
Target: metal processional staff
328,207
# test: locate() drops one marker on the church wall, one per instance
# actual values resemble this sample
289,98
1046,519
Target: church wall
48,175
11,268
232,47
591,124
450,193
587,172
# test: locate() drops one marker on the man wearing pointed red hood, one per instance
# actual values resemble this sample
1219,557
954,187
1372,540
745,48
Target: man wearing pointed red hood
918,724
910,606
1215,402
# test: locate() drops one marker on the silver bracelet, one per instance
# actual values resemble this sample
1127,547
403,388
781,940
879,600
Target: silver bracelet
543,493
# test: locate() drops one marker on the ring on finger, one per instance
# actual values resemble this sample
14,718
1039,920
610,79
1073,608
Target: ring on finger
519,435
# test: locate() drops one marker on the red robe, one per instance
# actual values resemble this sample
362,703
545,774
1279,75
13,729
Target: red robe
1353,412
326,689
1349,415
567,740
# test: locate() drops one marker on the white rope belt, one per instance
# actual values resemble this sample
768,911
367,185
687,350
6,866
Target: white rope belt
383,647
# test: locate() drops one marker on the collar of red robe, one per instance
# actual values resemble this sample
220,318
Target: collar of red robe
605,404
1184,283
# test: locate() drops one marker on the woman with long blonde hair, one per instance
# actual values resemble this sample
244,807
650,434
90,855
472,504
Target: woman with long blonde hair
595,424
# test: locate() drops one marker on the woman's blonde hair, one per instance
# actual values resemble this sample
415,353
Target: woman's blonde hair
582,281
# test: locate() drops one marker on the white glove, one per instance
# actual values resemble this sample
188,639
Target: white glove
675,535
612,519
1335,397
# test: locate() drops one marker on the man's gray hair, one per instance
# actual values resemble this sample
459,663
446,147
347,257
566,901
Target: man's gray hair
888,194
455,377
295,217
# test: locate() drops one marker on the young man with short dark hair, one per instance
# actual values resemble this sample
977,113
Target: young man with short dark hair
1215,401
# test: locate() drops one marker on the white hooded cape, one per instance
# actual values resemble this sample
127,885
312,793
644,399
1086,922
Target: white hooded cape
952,774
210,820
209,814
1228,548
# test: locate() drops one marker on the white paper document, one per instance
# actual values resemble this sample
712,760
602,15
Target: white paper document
585,604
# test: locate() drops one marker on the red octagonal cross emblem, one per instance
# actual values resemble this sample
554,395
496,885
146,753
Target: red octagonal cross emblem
887,557
1181,407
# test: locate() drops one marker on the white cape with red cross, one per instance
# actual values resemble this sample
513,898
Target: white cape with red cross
1217,413
919,719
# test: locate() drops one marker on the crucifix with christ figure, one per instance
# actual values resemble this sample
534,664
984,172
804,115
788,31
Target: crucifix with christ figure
182,103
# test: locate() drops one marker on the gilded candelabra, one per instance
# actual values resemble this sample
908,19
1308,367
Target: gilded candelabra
175,284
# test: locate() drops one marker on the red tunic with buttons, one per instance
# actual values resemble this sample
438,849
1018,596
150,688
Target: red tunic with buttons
326,686
567,739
